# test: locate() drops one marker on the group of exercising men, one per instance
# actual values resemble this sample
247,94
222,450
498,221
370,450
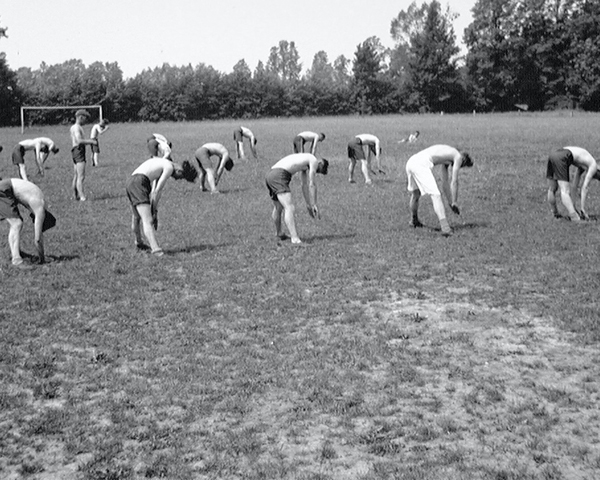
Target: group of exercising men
146,183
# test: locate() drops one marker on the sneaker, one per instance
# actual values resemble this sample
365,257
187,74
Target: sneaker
142,246
415,224
158,253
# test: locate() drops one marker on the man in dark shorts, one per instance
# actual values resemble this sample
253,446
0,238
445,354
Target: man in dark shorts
15,192
42,146
557,174
278,183
79,142
144,189
238,136
356,153
307,137
208,173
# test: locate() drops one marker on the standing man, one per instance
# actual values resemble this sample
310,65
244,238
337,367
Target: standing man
238,136
15,192
305,137
97,130
159,146
557,173
42,147
421,181
356,152
278,183
144,189
207,170
78,142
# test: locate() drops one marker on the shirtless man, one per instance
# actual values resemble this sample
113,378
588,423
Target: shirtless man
557,173
78,142
42,147
306,137
97,130
208,172
144,189
356,152
278,182
238,135
15,192
421,181
159,146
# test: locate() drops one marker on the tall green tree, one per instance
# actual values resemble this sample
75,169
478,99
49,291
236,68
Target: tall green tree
10,93
284,62
433,78
366,68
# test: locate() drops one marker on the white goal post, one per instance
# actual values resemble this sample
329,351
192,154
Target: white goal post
73,107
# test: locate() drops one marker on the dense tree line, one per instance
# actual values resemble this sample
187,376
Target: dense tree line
539,53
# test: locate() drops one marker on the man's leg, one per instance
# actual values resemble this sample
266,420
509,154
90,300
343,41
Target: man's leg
211,179
14,239
38,208
145,214
276,215
414,208
240,150
22,171
552,189
440,211
285,199
79,179
565,196
351,168
365,166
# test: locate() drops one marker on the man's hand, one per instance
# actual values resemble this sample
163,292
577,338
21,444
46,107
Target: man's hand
455,209
313,211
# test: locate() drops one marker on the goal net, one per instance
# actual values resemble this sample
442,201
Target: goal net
52,115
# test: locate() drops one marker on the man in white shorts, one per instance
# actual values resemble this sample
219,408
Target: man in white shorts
307,137
159,146
421,181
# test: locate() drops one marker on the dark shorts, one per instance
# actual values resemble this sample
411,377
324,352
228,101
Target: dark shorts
238,136
299,144
153,146
278,181
203,156
558,165
138,189
17,155
44,149
78,153
355,150
8,202
95,148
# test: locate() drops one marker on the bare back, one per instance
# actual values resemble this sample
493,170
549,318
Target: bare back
581,157
441,154
154,168
297,162
27,193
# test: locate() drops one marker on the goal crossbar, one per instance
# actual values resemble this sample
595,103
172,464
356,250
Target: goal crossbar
44,107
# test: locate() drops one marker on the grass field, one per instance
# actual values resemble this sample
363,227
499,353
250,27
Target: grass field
374,351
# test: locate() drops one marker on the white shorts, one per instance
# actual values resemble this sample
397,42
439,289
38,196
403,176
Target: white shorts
419,170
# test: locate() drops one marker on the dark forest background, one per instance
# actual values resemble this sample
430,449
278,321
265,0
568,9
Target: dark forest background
527,54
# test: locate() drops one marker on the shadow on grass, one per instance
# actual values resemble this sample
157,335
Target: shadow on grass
470,225
195,248
338,236
108,196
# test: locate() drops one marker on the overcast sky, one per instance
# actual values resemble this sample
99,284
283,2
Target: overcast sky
139,34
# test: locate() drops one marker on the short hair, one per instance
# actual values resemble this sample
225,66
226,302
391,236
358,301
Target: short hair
54,149
324,166
82,113
322,135
467,161
597,174
185,171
